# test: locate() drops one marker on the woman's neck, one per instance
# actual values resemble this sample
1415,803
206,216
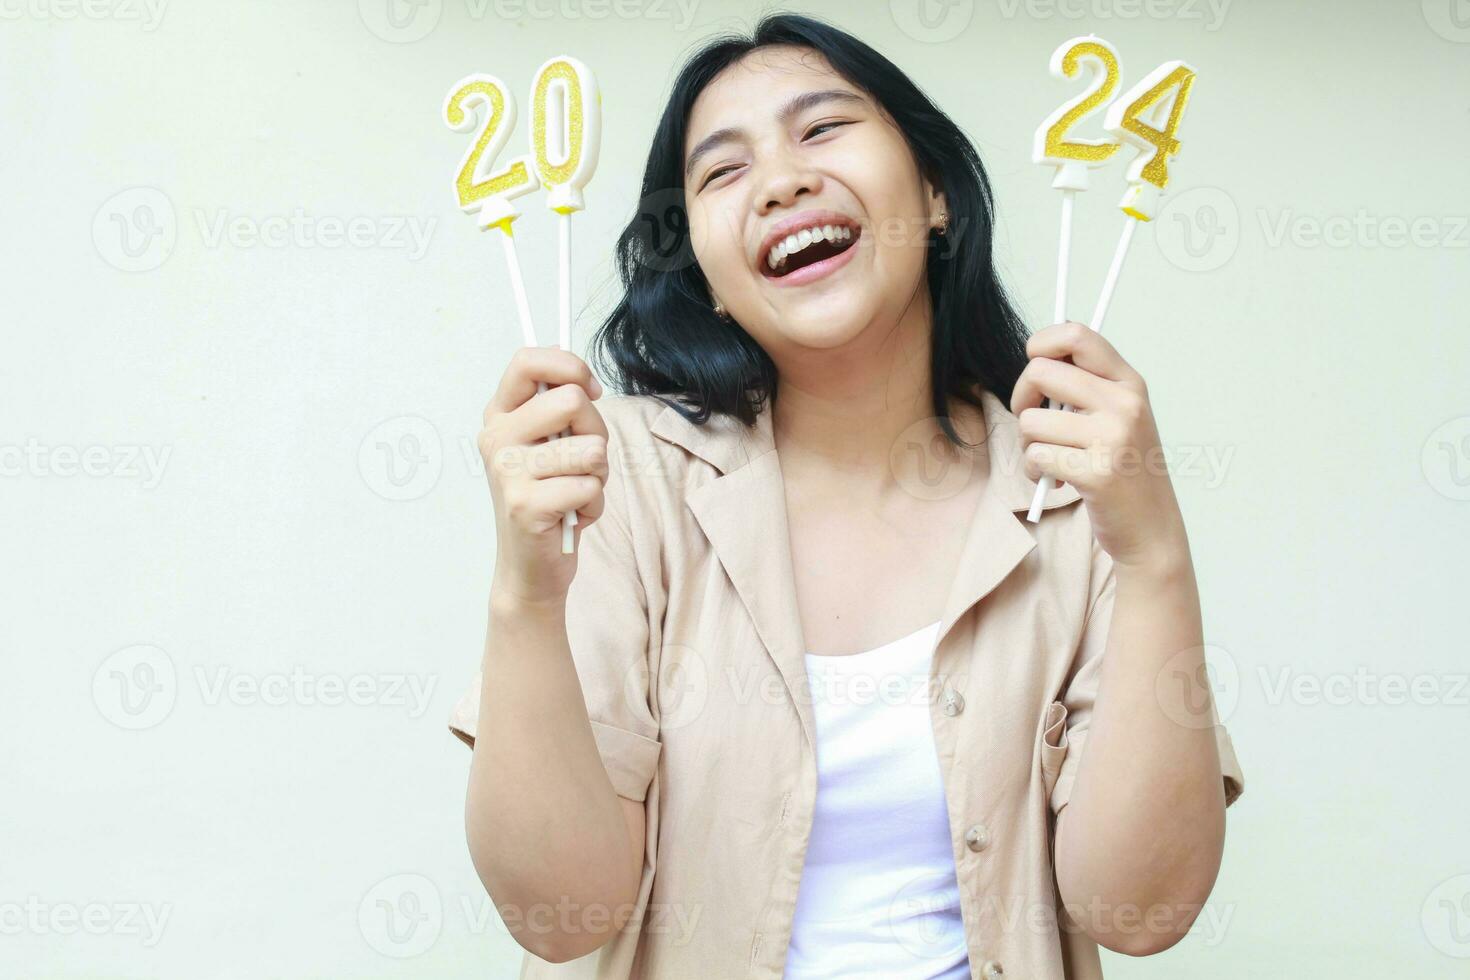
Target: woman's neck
854,411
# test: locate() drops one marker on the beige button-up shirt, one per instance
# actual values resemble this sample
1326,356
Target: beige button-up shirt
684,628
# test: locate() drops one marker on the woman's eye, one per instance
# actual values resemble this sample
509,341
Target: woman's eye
814,131
820,126
715,176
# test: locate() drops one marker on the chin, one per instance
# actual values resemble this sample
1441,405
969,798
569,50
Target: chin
824,324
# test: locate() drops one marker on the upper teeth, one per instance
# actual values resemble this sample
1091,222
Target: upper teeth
792,244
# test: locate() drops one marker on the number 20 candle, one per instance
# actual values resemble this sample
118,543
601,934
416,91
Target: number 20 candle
565,131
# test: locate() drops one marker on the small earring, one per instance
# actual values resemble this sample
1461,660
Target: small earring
943,222
720,311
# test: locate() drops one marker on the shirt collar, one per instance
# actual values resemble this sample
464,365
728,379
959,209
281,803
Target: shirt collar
743,514
726,444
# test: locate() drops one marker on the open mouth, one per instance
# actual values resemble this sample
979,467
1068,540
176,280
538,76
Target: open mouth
809,247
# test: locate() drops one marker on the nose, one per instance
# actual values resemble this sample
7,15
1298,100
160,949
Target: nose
785,180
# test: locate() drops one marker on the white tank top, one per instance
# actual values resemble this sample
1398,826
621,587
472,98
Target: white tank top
878,895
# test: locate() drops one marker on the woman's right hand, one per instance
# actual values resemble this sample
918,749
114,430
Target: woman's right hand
535,480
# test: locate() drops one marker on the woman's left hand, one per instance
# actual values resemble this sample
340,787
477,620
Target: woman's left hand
1107,447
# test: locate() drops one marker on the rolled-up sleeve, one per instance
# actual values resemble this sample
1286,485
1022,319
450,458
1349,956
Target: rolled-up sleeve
608,631
1082,686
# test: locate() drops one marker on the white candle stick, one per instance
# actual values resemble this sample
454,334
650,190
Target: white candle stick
564,234
565,135
523,304
1064,257
564,333
518,286
1073,158
1099,314
1059,315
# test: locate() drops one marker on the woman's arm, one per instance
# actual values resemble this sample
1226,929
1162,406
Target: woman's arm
560,853
1142,836
1138,845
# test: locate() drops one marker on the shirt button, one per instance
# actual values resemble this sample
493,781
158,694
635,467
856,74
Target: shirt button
992,970
954,702
978,839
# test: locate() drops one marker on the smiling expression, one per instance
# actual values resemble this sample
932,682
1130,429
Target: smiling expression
808,213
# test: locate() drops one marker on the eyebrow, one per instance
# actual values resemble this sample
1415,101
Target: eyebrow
794,107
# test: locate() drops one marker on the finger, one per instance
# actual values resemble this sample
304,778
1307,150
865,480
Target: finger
1059,381
558,494
528,365
1065,464
1087,349
1059,428
570,456
548,413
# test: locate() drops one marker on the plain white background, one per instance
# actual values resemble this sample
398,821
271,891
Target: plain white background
248,337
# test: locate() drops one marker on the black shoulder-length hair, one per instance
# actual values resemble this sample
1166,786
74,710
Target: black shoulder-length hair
664,339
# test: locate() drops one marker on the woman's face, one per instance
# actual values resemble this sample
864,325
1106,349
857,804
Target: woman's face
779,139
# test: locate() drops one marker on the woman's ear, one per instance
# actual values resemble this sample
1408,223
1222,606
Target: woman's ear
939,216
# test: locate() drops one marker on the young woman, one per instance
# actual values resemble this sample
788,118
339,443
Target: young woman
812,697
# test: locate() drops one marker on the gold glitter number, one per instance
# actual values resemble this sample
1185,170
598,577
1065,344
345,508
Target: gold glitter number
483,91
1103,66
571,129
1161,143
